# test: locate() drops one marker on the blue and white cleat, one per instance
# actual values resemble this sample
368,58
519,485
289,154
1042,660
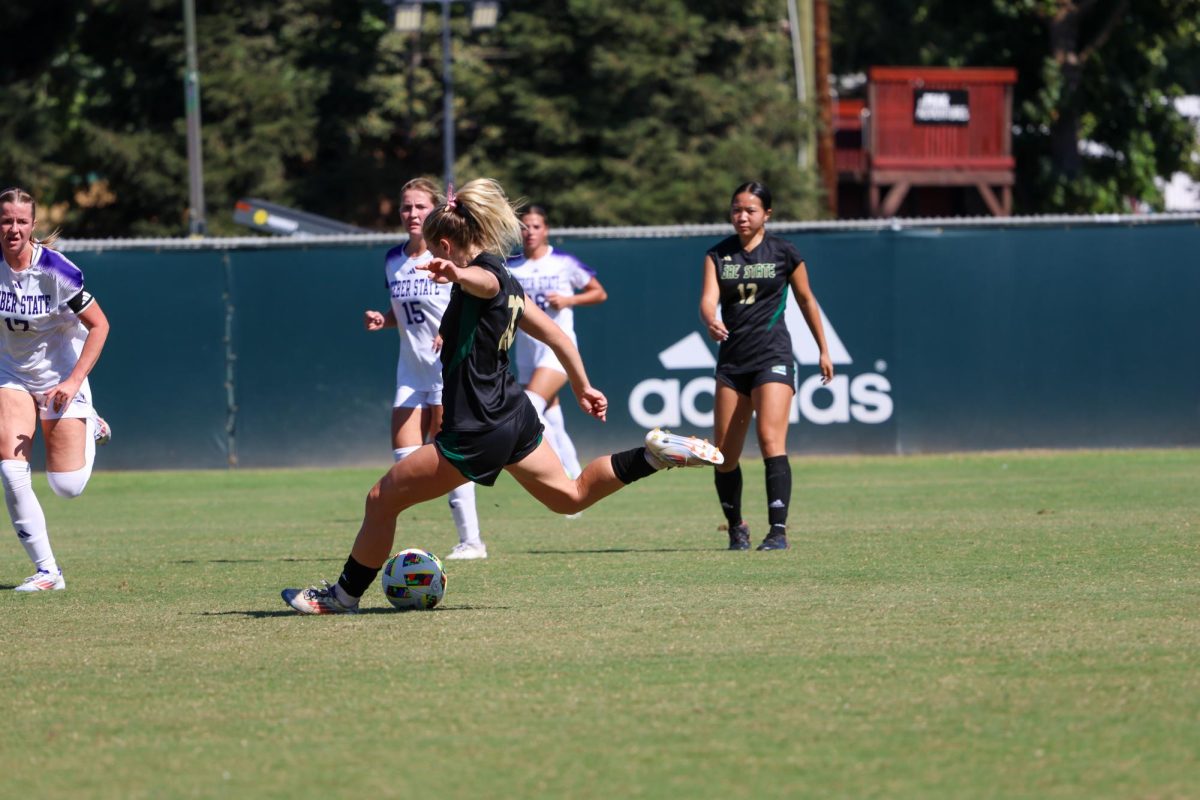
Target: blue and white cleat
672,450
317,600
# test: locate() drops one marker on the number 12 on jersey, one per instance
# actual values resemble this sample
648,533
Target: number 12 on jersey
747,291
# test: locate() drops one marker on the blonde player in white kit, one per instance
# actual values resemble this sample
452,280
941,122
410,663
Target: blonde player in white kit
556,282
51,334
418,304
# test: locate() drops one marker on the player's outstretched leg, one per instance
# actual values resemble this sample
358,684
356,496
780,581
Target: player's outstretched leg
542,475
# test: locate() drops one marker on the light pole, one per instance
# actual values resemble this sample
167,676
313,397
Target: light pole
191,98
406,18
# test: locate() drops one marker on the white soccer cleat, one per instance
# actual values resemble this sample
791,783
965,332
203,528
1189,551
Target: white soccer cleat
467,551
672,450
317,600
42,581
101,430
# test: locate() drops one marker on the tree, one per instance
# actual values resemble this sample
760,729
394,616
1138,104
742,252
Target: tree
614,112
609,112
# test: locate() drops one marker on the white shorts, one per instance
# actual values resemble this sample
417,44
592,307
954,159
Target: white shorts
408,397
533,354
79,408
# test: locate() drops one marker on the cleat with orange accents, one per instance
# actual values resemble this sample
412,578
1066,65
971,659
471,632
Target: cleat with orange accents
317,600
42,581
672,450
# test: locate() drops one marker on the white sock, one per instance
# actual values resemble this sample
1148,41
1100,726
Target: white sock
539,403
26,513
462,503
71,484
462,507
401,453
562,442
344,597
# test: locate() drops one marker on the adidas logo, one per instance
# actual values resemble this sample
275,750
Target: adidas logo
776,504
863,398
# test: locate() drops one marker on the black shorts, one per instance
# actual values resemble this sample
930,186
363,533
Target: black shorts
744,382
480,455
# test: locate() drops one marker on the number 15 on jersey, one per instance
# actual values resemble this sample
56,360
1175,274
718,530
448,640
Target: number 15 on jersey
413,315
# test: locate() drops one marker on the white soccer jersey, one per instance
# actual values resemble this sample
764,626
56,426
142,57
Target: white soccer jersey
40,332
553,272
418,304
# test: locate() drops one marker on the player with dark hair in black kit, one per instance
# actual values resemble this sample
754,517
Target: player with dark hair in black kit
748,276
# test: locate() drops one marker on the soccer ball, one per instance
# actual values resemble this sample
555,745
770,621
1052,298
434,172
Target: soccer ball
413,579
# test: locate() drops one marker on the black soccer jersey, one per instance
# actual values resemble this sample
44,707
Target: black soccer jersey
754,292
479,391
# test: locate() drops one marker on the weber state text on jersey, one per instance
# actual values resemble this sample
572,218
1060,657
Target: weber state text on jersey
754,292
418,304
40,332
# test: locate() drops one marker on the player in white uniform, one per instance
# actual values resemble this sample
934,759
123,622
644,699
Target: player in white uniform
418,304
556,282
51,334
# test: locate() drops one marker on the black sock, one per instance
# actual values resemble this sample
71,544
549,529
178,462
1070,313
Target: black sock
631,465
355,578
729,492
779,492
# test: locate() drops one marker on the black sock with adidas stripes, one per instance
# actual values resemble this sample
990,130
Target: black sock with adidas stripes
729,493
779,492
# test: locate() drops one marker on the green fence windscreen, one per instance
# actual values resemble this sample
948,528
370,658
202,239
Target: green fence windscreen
943,339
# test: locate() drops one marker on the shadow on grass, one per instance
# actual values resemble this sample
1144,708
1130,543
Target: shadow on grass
253,560
609,550
287,612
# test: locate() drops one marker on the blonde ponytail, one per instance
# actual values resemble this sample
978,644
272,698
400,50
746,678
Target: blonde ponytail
480,215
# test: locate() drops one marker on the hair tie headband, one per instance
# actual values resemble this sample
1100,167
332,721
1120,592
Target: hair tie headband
451,200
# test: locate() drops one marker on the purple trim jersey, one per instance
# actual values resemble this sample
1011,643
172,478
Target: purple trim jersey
554,272
418,304
40,332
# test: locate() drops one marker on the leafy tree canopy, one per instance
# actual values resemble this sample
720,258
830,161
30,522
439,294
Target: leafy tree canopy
609,112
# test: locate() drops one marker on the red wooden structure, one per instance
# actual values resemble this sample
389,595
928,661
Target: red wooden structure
929,127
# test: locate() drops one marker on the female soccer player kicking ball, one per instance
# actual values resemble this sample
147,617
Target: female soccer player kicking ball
488,423
416,311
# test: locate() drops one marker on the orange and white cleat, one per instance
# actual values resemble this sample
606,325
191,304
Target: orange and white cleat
317,600
42,581
673,450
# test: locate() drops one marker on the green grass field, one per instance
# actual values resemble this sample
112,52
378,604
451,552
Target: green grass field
1000,625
